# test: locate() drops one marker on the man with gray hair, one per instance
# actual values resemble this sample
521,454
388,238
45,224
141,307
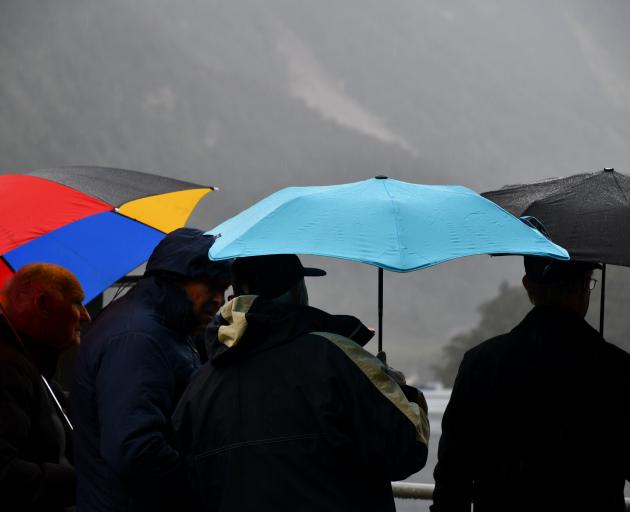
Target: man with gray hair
539,417
290,412
41,317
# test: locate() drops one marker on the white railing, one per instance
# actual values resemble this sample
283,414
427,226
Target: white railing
410,491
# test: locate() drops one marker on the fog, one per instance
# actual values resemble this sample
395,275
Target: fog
255,96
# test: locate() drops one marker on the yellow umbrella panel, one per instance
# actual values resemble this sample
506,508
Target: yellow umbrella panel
165,212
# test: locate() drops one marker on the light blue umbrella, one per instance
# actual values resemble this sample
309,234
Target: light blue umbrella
383,222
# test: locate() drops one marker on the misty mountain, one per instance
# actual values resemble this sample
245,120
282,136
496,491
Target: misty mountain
254,96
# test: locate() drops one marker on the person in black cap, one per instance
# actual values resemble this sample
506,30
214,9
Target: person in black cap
130,371
290,412
539,417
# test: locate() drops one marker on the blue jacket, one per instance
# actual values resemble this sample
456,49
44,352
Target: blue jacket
133,365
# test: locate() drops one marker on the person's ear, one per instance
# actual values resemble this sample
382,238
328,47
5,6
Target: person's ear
525,282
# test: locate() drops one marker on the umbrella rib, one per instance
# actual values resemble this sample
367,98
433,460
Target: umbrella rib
88,263
210,188
6,262
59,184
623,193
616,181
396,217
116,212
572,230
104,178
271,210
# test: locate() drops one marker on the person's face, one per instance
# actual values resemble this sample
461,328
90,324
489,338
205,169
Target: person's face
207,296
62,318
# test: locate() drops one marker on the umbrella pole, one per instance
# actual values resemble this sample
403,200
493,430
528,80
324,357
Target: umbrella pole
380,309
601,302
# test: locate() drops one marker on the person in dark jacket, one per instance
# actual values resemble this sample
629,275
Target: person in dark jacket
41,316
539,417
132,368
291,413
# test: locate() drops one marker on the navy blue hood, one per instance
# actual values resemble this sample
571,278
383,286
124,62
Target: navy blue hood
185,252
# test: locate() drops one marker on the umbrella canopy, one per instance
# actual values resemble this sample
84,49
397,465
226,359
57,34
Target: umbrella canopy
586,213
98,222
383,222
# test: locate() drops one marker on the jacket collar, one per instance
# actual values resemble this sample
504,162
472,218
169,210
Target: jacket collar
557,322
42,357
249,324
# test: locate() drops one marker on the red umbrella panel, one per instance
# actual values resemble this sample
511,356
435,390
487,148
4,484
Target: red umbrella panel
101,235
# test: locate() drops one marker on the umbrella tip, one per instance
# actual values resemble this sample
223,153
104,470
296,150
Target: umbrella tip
380,177
608,169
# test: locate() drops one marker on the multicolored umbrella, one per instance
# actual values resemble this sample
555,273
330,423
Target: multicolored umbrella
99,222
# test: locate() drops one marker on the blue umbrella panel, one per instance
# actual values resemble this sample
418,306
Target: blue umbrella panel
99,249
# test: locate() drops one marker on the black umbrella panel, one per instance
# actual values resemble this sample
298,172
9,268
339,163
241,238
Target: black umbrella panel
588,214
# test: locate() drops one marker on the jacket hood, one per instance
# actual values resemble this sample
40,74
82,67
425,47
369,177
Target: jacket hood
185,252
249,323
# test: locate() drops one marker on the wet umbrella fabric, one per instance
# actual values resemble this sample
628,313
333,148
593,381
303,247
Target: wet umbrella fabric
383,222
99,222
588,214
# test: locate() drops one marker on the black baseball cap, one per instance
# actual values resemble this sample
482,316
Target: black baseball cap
272,275
545,270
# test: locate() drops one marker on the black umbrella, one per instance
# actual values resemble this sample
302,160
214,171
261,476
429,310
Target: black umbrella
587,214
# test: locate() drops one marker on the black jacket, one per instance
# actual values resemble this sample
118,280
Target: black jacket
289,414
134,363
35,474
538,420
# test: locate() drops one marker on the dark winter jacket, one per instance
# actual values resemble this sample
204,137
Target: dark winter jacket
538,421
133,365
35,474
291,414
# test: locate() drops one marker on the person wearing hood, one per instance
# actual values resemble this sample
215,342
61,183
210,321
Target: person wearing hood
40,318
290,412
130,371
